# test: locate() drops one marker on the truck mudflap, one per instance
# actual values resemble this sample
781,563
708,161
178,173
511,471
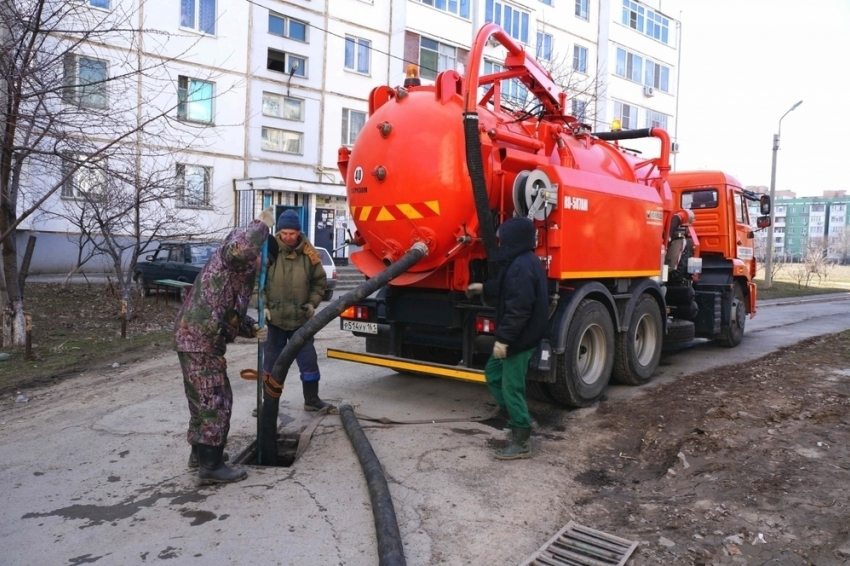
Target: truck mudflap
751,303
413,366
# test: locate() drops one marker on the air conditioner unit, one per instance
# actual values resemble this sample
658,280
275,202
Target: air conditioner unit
648,91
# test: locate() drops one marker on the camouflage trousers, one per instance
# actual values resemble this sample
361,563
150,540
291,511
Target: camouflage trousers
209,395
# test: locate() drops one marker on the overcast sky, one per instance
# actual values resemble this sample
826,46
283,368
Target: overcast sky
744,64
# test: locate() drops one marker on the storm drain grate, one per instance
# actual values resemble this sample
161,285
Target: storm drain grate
575,545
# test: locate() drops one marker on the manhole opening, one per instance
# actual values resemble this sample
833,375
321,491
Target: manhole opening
287,445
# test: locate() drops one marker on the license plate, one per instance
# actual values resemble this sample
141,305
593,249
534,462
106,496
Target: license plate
356,326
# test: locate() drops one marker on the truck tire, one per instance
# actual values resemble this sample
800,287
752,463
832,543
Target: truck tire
638,350
732,335
538,391
585,366
679,331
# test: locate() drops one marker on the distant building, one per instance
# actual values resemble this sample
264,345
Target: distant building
806,223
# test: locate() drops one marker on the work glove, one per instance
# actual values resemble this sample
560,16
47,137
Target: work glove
267,217
261,333
309,310
474,289
500,351
267,316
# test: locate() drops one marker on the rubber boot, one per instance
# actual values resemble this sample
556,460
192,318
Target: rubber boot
193,457
212,467
311,396
519,447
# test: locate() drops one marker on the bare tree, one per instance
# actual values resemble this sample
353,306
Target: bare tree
74,107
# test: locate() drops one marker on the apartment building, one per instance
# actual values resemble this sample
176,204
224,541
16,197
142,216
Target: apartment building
802,224
284,84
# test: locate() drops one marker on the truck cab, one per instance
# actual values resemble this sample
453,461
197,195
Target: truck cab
725,233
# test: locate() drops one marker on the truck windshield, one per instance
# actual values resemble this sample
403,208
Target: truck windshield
705,198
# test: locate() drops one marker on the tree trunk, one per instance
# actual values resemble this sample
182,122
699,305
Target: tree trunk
14,325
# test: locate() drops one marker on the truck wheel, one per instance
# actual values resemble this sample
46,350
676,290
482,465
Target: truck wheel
538,390
638,350
585,366
679,331
732,335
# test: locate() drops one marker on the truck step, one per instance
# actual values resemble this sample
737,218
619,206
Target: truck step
576,545
412,366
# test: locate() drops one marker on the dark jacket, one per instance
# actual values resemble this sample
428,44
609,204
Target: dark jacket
522,297
214,312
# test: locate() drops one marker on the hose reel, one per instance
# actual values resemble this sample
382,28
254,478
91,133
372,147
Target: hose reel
534,195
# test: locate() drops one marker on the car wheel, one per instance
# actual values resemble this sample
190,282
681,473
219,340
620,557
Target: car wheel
329,294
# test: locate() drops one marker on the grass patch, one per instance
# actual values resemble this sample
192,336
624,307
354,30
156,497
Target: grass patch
79,328
785,289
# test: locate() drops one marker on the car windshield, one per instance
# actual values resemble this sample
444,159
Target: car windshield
201,253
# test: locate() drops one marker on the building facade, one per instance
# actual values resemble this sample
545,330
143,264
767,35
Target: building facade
287,84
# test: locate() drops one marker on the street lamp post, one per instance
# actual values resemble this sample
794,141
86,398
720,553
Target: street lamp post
768,266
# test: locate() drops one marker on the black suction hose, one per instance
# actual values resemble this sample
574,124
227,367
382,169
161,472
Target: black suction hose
390,549
268,415
475,165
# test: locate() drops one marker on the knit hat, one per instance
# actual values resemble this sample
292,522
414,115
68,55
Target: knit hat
288,221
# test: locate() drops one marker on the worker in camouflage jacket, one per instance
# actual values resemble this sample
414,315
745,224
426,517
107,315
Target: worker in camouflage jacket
295,285
214,314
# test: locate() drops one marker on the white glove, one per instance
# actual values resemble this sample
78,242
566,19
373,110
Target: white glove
500,351
309,310
260,333
267,217
267,315
474,289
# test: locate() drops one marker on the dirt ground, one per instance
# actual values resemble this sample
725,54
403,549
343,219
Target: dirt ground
741,465
79,327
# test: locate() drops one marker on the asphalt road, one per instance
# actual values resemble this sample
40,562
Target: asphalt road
93,469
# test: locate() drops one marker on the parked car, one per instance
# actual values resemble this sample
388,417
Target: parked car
180,261
330,271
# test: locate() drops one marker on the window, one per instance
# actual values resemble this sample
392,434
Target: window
548,2
281,140
286,63
512,90
579,58
99,4
579,110
193,183
656,119
695,200
194,100
818,208
456,7
631,66
84,81
791,230
627,114
435,57
352,123
512,20
287,27
581,9
357,54
198,15
657,76
646,21
544,46
84,176
283,107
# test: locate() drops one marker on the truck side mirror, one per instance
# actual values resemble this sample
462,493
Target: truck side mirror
763,221
764,205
